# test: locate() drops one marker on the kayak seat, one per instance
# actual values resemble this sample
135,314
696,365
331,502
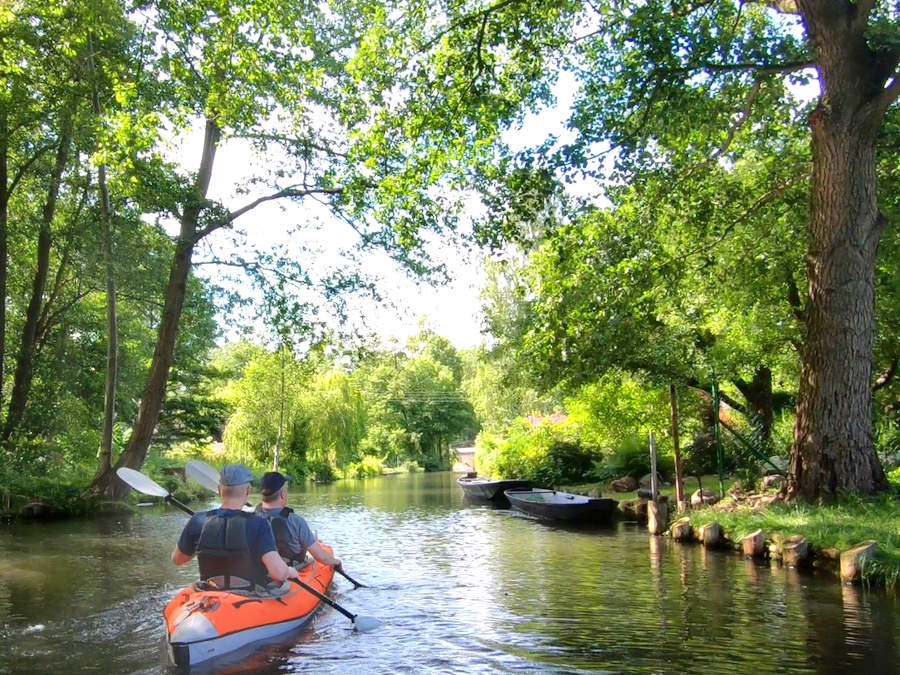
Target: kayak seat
275,589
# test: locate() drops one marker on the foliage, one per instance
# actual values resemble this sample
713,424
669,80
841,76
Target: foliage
547,455
267,407
632,458
887,431
395,409
367,467
320,471
500,391
618,407
417,406
693,122
894,477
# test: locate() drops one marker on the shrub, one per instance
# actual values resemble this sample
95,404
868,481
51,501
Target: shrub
367,467
545,455
563,462
887,442
631,458
321,471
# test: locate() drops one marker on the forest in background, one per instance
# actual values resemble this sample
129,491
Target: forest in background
742,237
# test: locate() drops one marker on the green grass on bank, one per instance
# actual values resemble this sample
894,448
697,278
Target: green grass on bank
840,525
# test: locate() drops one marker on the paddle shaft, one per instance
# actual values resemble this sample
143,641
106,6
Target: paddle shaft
172,500
349,578
324,598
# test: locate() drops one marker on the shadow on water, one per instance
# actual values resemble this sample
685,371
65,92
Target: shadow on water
459,587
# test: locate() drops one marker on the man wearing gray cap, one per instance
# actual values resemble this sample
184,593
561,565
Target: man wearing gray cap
293,537
234,549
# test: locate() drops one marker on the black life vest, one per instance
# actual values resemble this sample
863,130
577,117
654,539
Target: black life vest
279,523
223,550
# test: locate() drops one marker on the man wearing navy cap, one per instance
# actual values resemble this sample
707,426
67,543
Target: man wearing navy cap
234,549
293,537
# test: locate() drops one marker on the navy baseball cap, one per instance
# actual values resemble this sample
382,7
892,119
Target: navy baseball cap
235,474
272,482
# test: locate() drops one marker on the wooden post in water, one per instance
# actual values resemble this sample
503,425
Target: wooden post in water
680,502
657,509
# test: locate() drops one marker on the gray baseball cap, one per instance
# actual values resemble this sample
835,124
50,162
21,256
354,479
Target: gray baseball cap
235,474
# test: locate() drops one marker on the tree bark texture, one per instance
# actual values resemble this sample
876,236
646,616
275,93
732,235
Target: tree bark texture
4,238
833,449
25,360
112,320
108,484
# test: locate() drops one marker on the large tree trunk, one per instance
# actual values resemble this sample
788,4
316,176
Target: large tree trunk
833,450
4,237
108,484
112,321
25,360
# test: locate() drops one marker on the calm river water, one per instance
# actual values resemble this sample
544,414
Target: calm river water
460,588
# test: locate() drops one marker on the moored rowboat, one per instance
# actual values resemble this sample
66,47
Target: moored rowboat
557,505
204,624
490,490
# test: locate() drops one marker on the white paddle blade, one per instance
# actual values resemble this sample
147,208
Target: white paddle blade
366,623
141,483
202,473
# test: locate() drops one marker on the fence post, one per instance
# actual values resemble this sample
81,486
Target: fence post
721,461
673,410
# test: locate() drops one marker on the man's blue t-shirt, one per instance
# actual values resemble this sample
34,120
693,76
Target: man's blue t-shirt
259,533
302,536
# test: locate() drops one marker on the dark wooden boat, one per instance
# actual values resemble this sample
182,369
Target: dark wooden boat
555,505
485,489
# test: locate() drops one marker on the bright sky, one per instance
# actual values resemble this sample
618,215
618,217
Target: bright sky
452,310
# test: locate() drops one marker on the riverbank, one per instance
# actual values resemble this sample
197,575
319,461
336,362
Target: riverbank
828,528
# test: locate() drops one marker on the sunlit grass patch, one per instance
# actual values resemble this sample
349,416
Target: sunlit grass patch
839,525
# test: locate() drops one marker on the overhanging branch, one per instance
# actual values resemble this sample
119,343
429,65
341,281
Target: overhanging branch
286,193
749,66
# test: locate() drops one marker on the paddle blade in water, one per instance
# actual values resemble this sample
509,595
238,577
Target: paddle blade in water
366,623
141,483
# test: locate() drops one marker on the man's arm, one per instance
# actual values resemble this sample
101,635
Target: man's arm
307,540
276,567
188,540
321,554
179,557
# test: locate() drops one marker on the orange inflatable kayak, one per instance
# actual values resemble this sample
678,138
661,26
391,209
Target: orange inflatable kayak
202,625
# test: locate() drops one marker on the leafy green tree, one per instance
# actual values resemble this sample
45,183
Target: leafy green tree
416,405
674,96
343,97
267,404
500,389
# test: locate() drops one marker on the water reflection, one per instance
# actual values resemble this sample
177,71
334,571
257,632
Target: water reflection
461,588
